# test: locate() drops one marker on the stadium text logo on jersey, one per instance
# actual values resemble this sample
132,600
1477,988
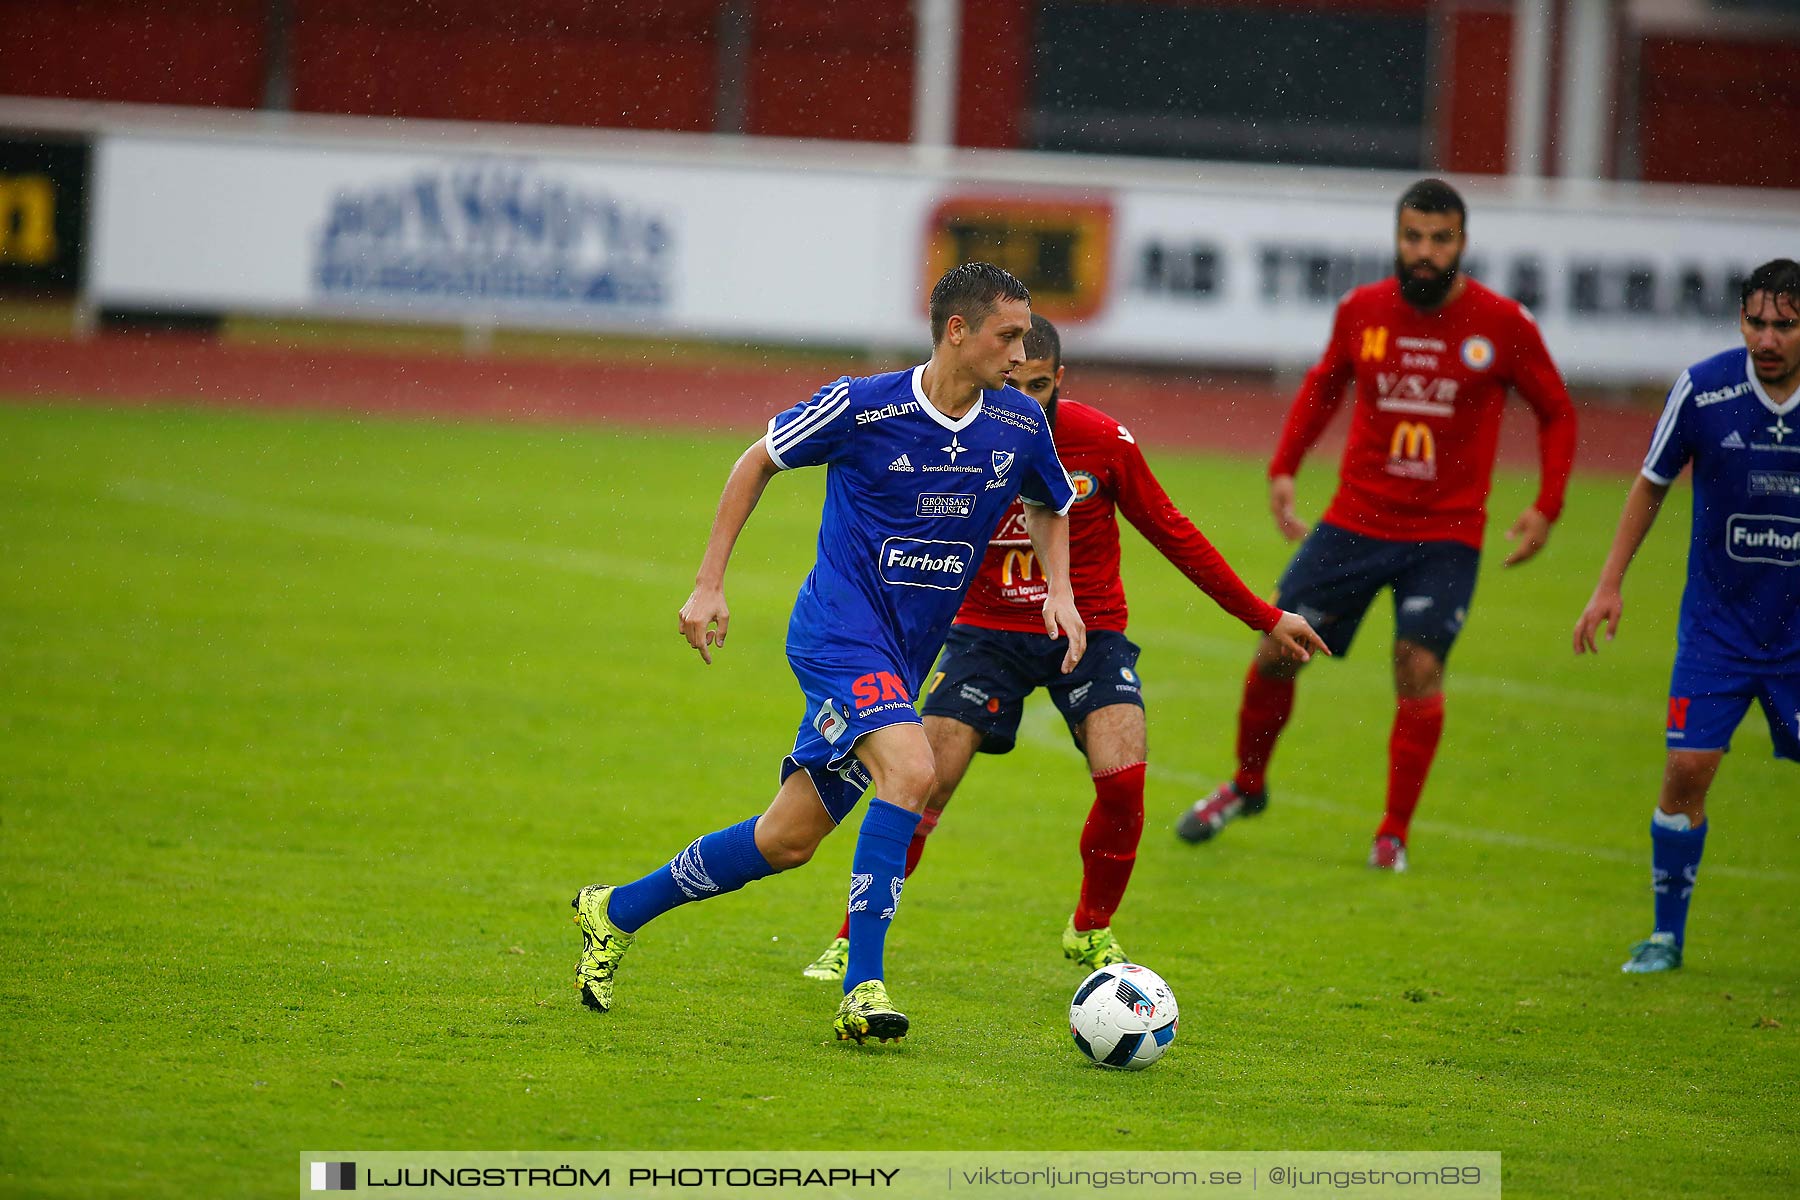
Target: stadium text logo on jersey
1084,483
914,562
1374,346
935,505
1477,353
869,416
1720,395
1763,538
1061,250
1412,451
489,233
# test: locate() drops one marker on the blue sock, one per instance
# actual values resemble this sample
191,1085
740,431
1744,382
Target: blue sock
1674,862
877,869
711,866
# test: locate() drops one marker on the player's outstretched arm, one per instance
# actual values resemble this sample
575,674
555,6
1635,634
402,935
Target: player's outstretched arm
1049,532
1541,386
1297,638
705,617
1281,507
1528,535
1607,605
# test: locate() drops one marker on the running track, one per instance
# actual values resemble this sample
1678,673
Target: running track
1166,411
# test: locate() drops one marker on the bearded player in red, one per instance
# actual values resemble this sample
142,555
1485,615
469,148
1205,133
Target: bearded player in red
1433,354
998,653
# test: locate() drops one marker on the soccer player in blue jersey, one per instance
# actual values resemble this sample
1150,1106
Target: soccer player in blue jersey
922,464
1736,418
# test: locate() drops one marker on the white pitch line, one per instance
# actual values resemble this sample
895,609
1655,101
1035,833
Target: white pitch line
375,531
1047,731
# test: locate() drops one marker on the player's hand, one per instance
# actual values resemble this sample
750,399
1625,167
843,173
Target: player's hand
704,620
1605,607
1281,506
1530,531
1061,619
1296,638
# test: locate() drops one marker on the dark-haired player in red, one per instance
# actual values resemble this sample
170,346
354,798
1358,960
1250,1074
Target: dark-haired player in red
1433,354
998,653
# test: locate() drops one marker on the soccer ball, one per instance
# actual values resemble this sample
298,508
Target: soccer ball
1123,1016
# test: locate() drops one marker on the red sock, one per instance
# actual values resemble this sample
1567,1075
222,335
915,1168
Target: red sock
927,822
1109,844
1417,726
1268,702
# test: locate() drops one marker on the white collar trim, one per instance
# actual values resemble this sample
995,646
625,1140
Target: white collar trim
931,410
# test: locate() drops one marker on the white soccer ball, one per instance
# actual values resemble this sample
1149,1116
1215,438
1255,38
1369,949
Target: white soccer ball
1124,1016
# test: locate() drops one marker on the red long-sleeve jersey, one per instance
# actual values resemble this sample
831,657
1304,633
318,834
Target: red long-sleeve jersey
1110,477
1430,387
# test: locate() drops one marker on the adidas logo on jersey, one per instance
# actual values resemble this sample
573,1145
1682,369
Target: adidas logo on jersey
1733,441
902,463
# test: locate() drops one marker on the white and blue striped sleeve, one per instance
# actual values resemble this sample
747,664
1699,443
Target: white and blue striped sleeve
1045,483
811,433
1669,449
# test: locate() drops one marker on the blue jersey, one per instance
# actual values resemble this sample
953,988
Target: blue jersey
911,499
1742,603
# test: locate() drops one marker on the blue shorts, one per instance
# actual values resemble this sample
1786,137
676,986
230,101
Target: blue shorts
1707,702
984,675
1336,574
846,697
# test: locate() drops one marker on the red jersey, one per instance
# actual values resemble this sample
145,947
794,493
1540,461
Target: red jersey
1109,473
1429,391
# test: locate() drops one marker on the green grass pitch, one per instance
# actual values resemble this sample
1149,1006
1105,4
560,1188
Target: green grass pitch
311,726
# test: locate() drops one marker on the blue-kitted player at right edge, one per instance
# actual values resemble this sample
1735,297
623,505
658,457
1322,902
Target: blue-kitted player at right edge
1736,418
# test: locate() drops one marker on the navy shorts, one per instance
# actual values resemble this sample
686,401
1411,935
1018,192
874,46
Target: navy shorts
847,696
984,675
1707,702
1336,574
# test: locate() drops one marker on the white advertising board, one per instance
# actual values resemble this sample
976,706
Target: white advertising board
225,224
1223,269
1254,279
